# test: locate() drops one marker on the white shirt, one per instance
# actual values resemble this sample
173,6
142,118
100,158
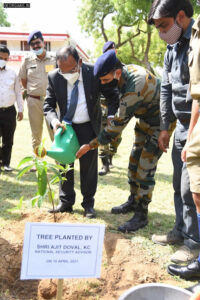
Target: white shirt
10,90
81,113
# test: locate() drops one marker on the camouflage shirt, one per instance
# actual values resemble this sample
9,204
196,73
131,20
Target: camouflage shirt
139,97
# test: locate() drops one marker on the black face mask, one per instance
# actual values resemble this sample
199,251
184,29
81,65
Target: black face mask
111,84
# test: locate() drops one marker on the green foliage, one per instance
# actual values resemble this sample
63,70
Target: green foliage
3,17
43,182
124,22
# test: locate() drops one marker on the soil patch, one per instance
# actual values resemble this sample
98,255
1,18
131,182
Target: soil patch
124,265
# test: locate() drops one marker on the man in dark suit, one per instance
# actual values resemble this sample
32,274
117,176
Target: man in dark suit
86,121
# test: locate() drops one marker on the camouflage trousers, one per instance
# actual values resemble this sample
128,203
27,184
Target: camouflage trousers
111,148
143,162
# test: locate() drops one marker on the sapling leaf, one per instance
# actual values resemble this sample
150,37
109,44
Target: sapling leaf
34,200
55,171
42,182
20,202
59,167
23,171
25,160
40,200
54,180
51,196
19,205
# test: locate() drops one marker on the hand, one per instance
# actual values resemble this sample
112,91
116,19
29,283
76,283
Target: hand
24,94
59,125
163,140
83,150
184,153
20,116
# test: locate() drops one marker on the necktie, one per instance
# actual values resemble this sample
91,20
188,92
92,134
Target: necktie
73,103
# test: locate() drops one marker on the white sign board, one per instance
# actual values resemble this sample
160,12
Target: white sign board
62,250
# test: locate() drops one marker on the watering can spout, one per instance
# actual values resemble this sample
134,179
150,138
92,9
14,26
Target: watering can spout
64,146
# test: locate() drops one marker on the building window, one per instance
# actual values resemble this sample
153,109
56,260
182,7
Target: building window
25,46
3,43
47,46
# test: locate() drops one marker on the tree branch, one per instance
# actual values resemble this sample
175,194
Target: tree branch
103,29
139,62
128,40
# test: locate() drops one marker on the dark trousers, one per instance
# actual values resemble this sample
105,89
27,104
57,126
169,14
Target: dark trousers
7,127
186,217
88,171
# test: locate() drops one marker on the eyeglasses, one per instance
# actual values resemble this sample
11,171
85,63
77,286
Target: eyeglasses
35,43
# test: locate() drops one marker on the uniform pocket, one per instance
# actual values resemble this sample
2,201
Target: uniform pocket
32,71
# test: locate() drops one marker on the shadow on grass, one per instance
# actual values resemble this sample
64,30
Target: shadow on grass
163,177
29,177
12,190
158,222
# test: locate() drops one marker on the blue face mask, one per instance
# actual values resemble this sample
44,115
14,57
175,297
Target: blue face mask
38,52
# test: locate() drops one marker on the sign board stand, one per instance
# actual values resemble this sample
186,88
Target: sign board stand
59,289
53,250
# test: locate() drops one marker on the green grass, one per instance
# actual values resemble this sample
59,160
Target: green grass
113,189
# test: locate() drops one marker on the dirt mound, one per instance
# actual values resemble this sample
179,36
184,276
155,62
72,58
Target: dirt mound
123,266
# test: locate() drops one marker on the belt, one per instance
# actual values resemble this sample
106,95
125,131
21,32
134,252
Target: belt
36,97
6,108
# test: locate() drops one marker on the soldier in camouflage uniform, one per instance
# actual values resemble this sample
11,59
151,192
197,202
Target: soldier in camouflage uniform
107,152
139,97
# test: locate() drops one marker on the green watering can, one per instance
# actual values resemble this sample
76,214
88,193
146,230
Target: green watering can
64,146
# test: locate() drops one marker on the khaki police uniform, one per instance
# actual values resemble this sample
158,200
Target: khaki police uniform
193,152
35,72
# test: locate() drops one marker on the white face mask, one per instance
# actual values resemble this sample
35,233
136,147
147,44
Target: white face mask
71,77
172,35
38,52
2,63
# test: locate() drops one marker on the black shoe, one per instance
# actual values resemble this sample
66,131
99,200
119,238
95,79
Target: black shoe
110,161
104,170
62,207
105,166
189,272
126,207
90,213
7,168
194,289
139,220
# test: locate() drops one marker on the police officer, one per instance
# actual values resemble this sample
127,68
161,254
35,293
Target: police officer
33,74
139,90
107,152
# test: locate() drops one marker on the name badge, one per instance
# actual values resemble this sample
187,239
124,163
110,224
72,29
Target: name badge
49,68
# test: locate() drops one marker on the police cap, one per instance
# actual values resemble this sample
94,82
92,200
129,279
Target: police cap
36,34
105,63
108,45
